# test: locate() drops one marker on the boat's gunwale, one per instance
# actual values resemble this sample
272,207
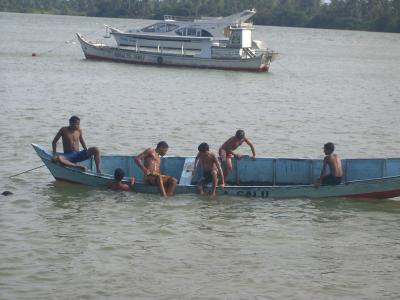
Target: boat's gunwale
47,158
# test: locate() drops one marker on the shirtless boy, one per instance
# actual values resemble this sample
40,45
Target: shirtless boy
149,162
71,137
335,165
226,150
210,168
118,185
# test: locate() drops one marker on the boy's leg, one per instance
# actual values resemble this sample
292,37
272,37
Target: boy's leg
228,167
171,185
199,186
214,175
94,151
160,185
67,163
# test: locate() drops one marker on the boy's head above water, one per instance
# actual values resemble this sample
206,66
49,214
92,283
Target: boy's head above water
329,148
119,174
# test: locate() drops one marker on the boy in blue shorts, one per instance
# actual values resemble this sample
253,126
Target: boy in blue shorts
71,137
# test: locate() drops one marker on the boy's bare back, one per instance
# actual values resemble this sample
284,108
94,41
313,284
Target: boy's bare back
335,164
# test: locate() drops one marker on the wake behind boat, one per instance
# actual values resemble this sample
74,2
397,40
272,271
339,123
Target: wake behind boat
262,178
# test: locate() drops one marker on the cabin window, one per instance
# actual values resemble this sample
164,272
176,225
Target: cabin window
181,31
236,38
190,31
159,27
171,27
205,33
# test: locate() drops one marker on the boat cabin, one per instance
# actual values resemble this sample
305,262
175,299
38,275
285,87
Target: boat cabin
241,37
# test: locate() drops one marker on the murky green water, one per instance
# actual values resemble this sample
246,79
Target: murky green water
61,241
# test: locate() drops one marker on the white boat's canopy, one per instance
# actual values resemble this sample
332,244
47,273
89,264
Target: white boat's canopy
240,17
204,27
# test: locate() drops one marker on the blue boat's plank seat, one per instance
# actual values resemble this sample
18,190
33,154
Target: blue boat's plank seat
186,175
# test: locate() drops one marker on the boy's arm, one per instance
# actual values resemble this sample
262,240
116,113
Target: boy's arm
55,140
139,158
82,140
253,150
321,176
131,182
318,182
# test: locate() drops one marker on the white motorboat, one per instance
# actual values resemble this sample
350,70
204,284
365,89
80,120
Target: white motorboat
235,54
174,32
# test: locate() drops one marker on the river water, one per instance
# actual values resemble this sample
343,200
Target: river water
62,241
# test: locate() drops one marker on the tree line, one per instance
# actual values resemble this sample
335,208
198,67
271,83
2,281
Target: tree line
372,15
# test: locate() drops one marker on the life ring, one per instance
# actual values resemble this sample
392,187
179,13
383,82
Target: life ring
159,60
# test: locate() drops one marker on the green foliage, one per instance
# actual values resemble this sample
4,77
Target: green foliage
376,15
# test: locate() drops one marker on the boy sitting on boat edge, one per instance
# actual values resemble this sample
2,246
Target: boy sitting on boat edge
335,165
71,137
149,162
210,167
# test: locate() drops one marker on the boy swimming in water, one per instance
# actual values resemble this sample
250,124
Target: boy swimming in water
335,165
226,150
117,185
210,167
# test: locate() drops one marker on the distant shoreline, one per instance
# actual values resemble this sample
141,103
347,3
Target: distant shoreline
57,12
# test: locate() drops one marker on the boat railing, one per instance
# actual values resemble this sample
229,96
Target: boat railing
178,18
246,25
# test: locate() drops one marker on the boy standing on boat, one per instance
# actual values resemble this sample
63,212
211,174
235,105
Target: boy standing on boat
71,137
117,184
226,150
335,165
149,162
210,168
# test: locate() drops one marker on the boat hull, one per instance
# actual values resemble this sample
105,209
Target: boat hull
386,187
103,52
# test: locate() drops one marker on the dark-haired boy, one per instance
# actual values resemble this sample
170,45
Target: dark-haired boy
335,165
71,137
210,169
117,184
149,162
226,150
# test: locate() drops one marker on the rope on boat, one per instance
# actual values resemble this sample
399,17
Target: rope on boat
26,171
67,42
287,70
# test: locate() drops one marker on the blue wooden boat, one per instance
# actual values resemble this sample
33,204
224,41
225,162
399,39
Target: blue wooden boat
263,178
